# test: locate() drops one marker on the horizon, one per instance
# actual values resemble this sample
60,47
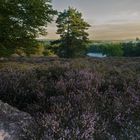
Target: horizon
109,20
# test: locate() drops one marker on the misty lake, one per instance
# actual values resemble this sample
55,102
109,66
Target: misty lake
98,55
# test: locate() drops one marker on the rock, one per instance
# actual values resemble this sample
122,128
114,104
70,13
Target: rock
16,125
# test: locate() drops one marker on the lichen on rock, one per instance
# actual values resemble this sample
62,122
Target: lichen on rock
16,125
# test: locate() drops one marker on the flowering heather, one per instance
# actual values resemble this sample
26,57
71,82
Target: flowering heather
81,99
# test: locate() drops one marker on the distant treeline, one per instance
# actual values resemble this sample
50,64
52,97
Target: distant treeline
127,49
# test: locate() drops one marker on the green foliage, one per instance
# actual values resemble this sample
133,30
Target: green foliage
131,49
113,50
72,29
48,53
21,21
5,52
40,49
48,49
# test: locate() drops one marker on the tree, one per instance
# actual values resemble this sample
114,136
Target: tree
72,30
21,21
113,49
131,49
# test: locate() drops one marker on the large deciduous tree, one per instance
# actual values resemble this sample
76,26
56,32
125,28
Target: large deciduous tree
73,36
21,21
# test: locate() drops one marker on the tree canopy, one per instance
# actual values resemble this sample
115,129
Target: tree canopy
72,30
21,21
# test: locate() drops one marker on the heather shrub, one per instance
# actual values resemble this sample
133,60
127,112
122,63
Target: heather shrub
117,103
18,87
74,101
72,114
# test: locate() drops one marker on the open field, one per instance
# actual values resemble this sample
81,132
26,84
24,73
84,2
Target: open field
84,98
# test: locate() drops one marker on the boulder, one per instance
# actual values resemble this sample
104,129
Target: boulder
16,125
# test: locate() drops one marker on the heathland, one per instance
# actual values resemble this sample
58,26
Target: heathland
83,98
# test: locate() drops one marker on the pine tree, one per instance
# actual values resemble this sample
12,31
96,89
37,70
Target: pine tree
72,30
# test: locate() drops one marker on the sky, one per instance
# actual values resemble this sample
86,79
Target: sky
109,19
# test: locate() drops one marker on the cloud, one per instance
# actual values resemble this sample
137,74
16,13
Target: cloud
120,30
110,19
115,31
